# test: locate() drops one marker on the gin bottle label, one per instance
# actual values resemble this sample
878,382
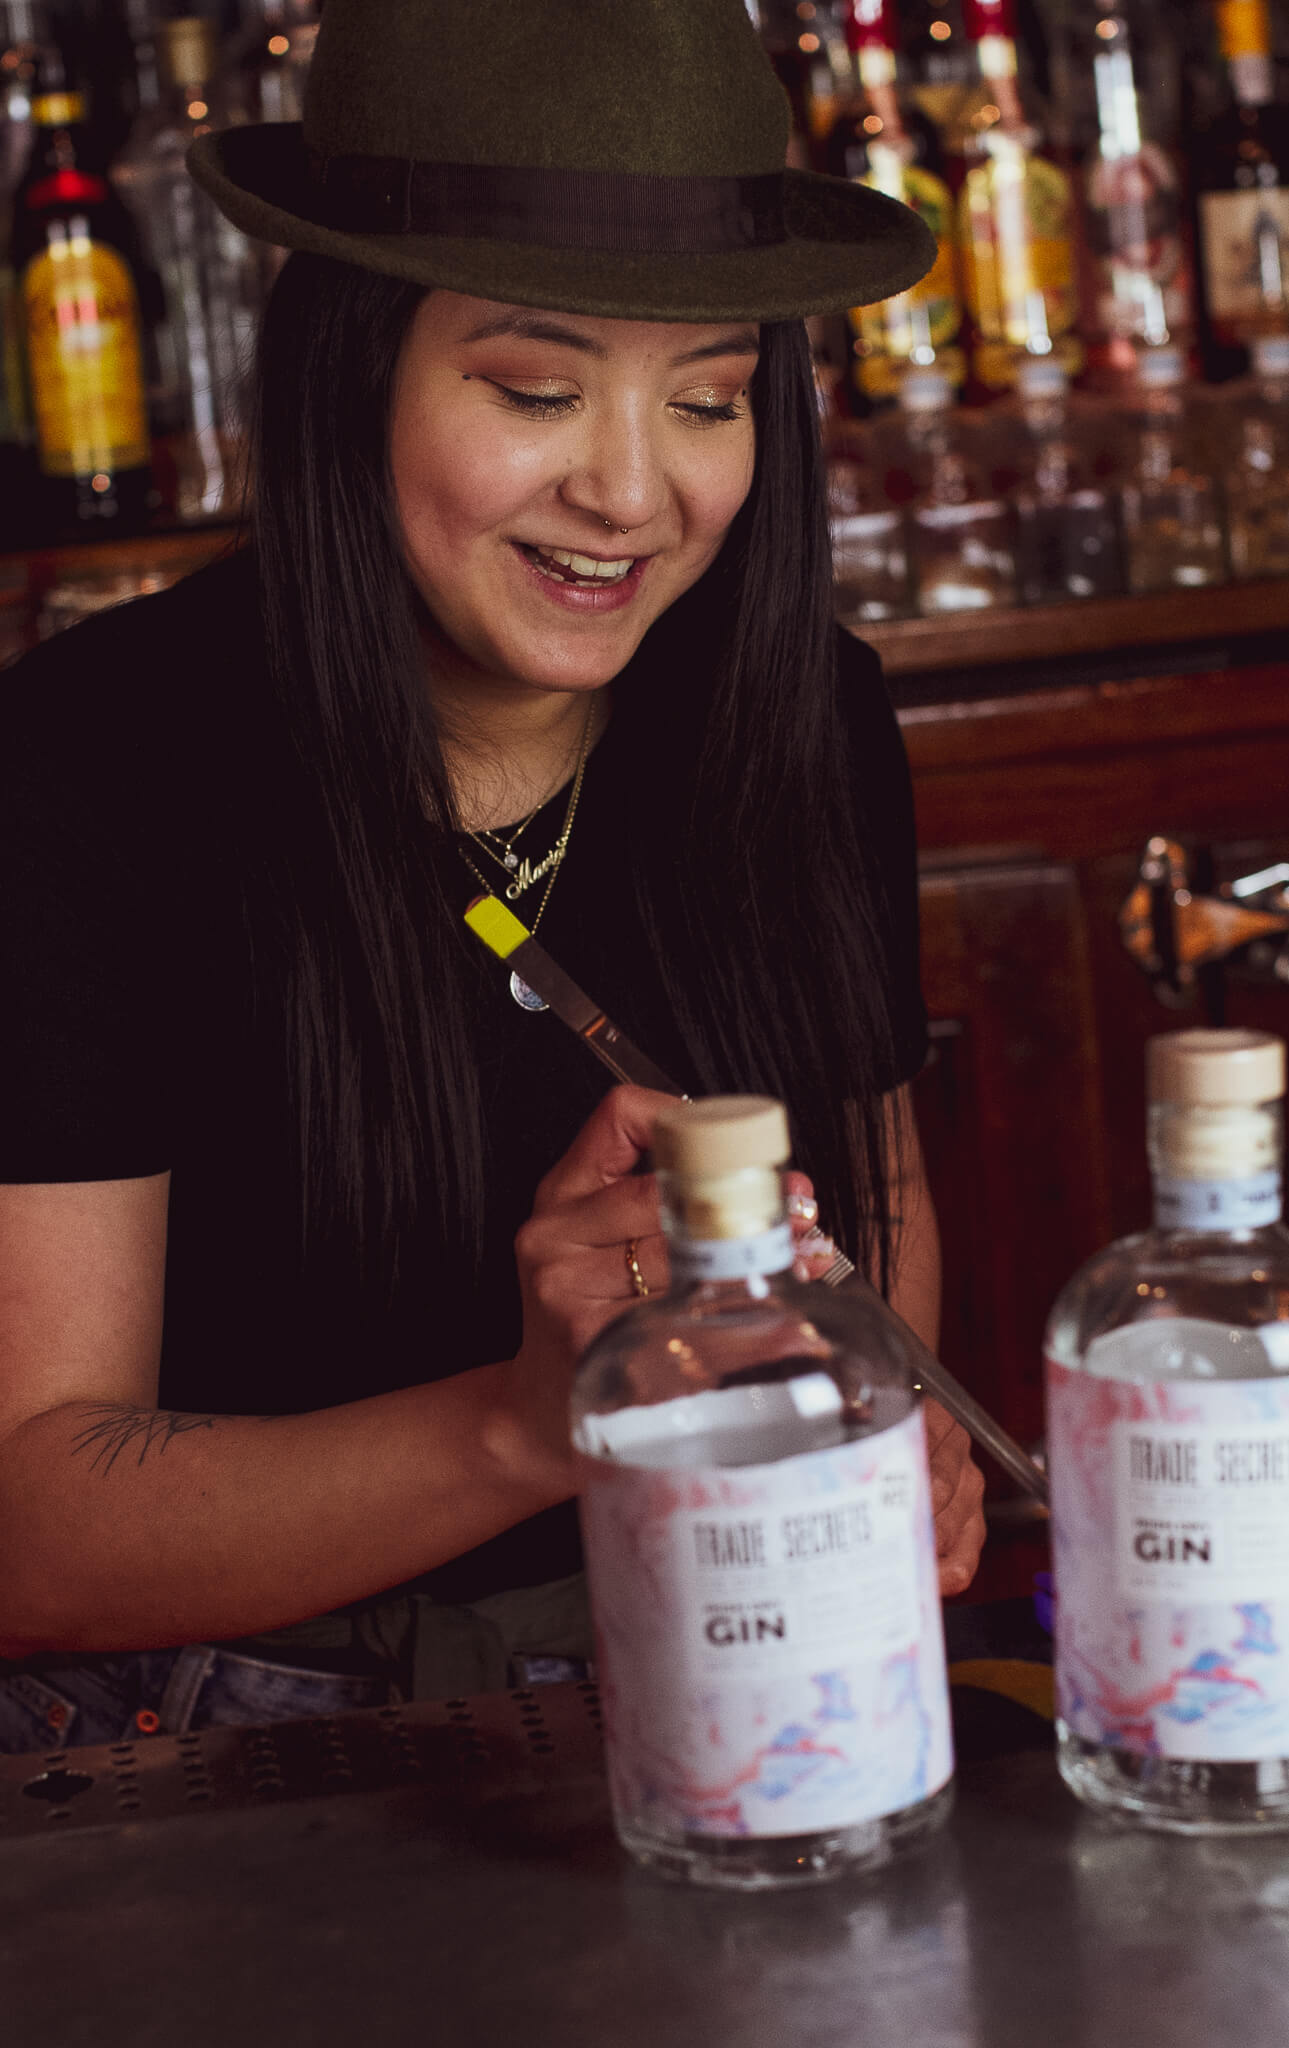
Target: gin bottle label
1170,1524
770,1647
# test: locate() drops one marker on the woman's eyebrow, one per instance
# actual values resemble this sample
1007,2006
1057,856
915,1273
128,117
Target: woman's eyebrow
532,327
745,343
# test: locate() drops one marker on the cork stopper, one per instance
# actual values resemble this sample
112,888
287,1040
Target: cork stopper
187,50
722,1134
1215,1069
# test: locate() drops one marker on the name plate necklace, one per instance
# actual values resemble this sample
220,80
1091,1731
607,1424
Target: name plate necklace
523,873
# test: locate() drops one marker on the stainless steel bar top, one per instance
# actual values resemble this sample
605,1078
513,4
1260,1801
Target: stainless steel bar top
445,1874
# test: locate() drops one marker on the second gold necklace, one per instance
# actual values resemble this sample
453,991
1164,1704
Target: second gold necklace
528,998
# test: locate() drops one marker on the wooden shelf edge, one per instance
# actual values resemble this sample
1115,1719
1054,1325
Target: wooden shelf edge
1153,712
962,640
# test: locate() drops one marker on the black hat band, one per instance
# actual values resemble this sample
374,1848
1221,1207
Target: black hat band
629,213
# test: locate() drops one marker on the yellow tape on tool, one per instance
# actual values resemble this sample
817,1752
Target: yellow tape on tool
499,928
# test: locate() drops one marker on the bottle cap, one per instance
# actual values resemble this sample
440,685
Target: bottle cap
1215,1069
722,1134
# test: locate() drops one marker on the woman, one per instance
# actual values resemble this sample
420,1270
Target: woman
306,1216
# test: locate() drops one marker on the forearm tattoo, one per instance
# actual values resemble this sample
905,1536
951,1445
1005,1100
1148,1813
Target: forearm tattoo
110,1429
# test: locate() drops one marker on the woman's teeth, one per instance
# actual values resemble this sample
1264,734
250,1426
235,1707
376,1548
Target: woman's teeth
569,568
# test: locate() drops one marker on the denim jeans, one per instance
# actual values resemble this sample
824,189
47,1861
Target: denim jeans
149,1692
409,1646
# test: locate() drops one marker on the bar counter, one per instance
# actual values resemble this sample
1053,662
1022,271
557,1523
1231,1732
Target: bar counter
445,1873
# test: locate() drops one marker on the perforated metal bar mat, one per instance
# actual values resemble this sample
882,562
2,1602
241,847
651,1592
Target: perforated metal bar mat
490,1747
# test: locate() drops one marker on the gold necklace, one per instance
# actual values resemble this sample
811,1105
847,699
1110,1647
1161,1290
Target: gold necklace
528,998
522,874
508,858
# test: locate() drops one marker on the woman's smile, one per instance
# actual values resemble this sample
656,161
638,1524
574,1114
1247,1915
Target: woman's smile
580,582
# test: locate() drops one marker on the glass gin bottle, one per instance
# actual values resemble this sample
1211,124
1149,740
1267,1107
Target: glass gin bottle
1168,1442
757,1522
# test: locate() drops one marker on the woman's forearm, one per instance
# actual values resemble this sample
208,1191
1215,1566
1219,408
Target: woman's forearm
131,1528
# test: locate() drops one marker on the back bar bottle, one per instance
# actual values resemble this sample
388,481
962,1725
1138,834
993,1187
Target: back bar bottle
1168,1444
1251,450
1122,88
1174,535
210,282
72,244
1015,216
757,1517
1068,542
1240,169
962,532
21,26
882,139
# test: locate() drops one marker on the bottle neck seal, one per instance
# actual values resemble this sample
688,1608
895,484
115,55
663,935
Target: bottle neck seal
725,1226
1216,1168
697,1261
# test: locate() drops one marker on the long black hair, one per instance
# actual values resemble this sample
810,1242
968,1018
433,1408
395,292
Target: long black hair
744,853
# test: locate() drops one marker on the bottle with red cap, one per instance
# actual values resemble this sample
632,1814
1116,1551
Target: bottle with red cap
73,250
883,139
1015,215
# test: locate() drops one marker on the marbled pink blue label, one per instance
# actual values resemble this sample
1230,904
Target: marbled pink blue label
1170,1551
771,1653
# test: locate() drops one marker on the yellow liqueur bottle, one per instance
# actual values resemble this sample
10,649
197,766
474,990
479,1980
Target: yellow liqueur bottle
1015,217
882,139
72,247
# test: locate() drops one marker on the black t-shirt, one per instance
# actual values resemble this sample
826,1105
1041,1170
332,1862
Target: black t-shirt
133,1035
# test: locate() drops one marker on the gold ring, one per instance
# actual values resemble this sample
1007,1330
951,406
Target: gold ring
638,1281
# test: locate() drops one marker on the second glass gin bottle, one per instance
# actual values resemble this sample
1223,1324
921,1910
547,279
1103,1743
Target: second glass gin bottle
1168,1442
757,1520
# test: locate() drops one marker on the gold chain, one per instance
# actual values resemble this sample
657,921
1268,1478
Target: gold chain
561,844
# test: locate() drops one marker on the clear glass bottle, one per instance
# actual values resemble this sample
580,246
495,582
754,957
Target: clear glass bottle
870,552
1168,1447
1251,442
1174,532
1068,541
962,532
757,1524
210,281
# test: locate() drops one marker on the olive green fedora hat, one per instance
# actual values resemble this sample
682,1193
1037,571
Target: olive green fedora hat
614,157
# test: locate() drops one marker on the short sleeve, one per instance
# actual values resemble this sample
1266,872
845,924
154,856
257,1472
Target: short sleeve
83,1035
882,793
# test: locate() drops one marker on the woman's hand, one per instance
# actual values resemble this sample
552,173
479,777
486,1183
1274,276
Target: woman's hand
957,1491
573,1272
